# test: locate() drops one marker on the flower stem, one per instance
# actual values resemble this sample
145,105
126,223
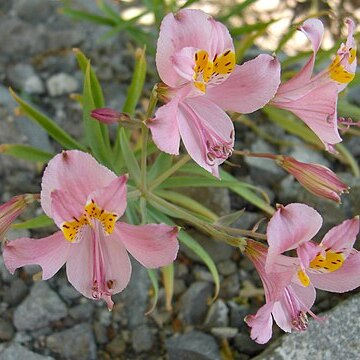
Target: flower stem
257,155
242,232
169,172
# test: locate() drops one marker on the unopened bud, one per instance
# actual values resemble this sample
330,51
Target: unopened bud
317,179
109,116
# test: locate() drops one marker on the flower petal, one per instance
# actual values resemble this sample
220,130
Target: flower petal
261,324
249,87
111,198
164,128
186,28
76,173
346,278
50,253
289,227
342,237
317,108
152,245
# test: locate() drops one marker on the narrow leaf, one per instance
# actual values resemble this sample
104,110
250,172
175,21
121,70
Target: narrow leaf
162,163
168,280
155,284
35,223
25,152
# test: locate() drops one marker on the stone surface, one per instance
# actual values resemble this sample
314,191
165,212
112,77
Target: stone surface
117,346
142,339
79,340
61,84
194,303
217,315
40,308
6,330
18,352
336,337
193,345
23,77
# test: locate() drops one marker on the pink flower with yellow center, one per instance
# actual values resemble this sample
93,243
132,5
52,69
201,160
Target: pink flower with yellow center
287,301
333,265
314,98
85,200
196,60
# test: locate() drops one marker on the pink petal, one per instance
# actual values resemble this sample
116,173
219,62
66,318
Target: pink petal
342,237
152,245
305,295
186,28
317,108
93,252
164,128
346,278
203,126
261,324
306,252
289,227
63,207
314,30
249,87
76,173
282,316
111,198
50,253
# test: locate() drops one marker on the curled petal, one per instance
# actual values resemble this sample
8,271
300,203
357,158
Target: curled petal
50,253
249,87
152,245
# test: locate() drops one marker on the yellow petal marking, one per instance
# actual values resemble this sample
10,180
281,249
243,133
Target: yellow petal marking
352,56
339,73
225,63
330,262
304,279
71,229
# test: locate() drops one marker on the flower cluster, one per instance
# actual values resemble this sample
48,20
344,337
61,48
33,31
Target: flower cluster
290,282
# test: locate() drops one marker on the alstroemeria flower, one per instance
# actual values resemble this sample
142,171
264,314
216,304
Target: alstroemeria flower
314,98
196,60
332,265
85,199
287,302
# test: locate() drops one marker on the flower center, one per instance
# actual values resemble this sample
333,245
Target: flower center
337,69
332,261
213,71
72,229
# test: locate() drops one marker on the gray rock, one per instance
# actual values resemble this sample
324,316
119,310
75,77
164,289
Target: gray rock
6,330
39,309
117,346
237,315
306,155
16,292
61,84
142,339
336,337
68,292
227,267
23,76
100,332
224,332
217,315
79,340
34,11
194,303
230,286
193,345
4,272
17,352
246,345
82,311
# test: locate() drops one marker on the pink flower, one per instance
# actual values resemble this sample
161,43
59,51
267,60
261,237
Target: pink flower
314,98
196,60
317,179
10,211
85,199
107,115
332,265
287,302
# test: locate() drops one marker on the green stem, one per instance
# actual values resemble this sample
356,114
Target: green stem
242,232
201,225
144,140
169,172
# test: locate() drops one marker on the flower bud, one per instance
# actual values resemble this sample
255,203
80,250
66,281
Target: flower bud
12,209
108,116
317,179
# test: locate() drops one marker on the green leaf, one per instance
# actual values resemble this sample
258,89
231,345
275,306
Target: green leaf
25,152
229,219
192,244
137,83
50,126
168,280
347,109
129,157
187,203
93,132
108,10
35,223
245,29
162,163
236,9
155,284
